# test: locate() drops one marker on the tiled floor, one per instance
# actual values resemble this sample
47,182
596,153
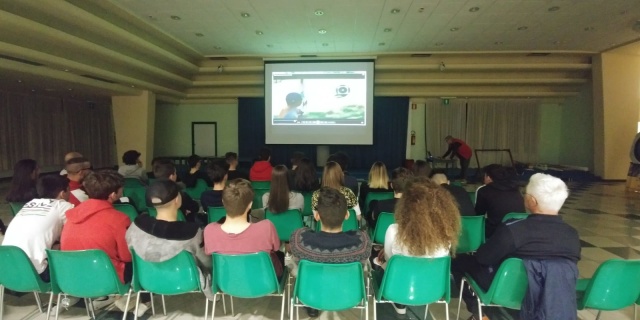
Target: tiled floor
606,216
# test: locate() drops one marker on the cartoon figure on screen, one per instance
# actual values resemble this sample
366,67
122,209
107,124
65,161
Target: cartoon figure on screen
292,111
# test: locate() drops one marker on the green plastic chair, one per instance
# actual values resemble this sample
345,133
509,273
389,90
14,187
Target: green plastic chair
414,281
350,224
127,209
613,286
137,196
133,183
195,192
385,219
85,274
17,273
285,222
471,235
247,276
175,276
307,210
507,289
257,198
472,195
376,196
514,215
16,207
216,213
261,185
330,287
154,213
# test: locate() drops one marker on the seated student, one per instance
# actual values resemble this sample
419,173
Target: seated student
95,224
421,168
378,182
333,177
463,201
399,178
549,247
330,244
38,225
280,198
23,184
343,160
261,169
67,157
236,235
233,173
304,178
217,172
165,170
500,195
77,170
164,237
195,173
132,167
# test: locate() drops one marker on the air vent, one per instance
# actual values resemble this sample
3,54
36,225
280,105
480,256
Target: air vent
421,55
21,60
308,56
97,78
538,54
218,58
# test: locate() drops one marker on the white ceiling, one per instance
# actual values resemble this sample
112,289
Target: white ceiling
358,26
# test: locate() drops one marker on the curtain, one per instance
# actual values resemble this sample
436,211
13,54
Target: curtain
443,120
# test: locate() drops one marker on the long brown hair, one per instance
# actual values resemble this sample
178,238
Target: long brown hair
279,192
332,176
428,218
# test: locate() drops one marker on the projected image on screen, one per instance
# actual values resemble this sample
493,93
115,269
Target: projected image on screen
319,98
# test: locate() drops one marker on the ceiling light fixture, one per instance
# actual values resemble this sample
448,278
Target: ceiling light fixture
319,13
454,29
381,43
387,29
498,43
198,34
322,31
552,9
217,47
523,28
175,18
258,32
33,90
19,81
245,15
394,11
66,70
132,86
589,29
325,44
439,44
474,9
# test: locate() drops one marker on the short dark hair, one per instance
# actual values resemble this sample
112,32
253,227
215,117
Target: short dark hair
163,168
341,158
399,178
237,196
229,156
49,186
296,157
498,172
193,160
332,207
100,184
265,153
131,157
217,170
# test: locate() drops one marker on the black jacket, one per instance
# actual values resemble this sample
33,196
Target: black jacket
496,199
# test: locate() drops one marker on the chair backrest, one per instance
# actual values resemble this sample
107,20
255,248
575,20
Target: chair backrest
613,286
16,207
307,210
154,213
197,190
244,275
376,196
515,215
127,209
385,219
84,274
133,182
330,287
257,198
214,214
350,224
285,222
17,272
471,234
174,276
261,185
416,281
137,197
472,195
509,284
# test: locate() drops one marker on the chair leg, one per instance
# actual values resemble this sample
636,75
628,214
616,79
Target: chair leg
153,305
224,304
213,308
206,308
426,311
93,310
48,307
233,313
479,308
86,306
366,308
164,306
460,299
126,305
446,305
135,310
635,311
284,301
58,306
2,302
35,293
598,315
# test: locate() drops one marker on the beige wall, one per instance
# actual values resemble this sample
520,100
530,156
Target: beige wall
134,123
616,81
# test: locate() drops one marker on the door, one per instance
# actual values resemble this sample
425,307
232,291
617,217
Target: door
204,139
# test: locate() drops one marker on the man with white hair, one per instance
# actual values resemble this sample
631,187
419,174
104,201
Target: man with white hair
549,247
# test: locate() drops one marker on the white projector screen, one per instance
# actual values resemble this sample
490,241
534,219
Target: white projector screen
319,102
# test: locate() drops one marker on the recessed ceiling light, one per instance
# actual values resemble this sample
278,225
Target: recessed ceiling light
132,86
175,18
381,43
387,29
258,32
439,44
557,42
454,29
269,46
394,11
66,70
523,28
325,44
217,47
70,89
33,90
322,31
318,13
198,34
245,15
498,43
589,29
421,10
19,81
474,9
552,9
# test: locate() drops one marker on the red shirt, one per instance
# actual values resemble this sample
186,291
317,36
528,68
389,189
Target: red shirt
260,171
464,150
75,188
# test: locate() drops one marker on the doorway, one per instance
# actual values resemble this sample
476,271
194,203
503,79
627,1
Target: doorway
204,139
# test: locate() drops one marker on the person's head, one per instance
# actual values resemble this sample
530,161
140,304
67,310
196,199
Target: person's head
165,196
231,158
428,218
545,194
78,168
440,178
295,158
53,186
305,177
331,209
332,176
421,168
26,169
104,185
494,172
217,171
265,154
131,157
399,178
194,161
294,100
72,155
279,191
378,176
448,139
165,169
237,197
341,158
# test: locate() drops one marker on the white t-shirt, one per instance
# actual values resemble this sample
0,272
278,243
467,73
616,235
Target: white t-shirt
36,227
391,246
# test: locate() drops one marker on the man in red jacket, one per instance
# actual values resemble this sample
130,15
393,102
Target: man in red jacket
261,169
460,149
95,224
